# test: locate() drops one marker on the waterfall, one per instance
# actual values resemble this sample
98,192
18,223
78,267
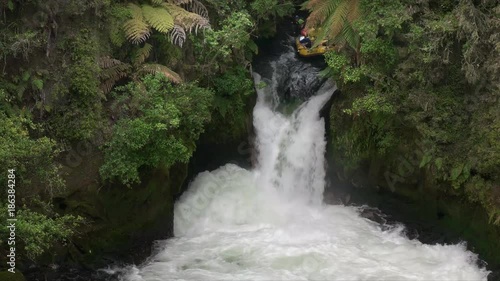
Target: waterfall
270,223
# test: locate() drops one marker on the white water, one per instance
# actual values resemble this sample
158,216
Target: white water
270,223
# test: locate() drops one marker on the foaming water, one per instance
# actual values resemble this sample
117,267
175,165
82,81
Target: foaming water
269,223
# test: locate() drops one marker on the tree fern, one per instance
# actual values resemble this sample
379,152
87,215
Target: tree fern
349,36
136,29
112,71
142,54
187,20
153,68
158,17
157,2
196,7
320,9
107,62
332,16
172,17
177,35
178,2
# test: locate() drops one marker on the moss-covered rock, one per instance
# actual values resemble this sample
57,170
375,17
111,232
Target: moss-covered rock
448,201
122,221
9,276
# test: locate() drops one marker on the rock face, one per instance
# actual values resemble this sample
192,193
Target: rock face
121,222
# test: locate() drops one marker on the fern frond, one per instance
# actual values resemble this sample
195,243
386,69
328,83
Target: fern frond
320,10
135,11
107,62
160,69
196,7
156,2
349,36
136,29
178,2
158,17
335,17
177,35
187,20
354,10
112,71
335,21
142,54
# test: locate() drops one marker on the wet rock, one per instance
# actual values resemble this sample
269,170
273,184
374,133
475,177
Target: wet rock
373,214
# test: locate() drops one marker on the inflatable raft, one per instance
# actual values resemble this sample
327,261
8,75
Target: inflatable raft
310,52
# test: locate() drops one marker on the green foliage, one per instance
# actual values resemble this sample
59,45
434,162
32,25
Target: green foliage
159,19
158,126
24,43
271,9
33,158
165,17
233,90
413,78
234,34
333,19
39,231
81,116
227,45
84,72
224,9
373,102
479,190
117,16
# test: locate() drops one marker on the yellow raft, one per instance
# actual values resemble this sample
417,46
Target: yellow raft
310,52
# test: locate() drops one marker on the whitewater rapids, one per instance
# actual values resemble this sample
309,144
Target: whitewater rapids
269,223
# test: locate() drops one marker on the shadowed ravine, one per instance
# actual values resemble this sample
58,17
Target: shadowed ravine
270,223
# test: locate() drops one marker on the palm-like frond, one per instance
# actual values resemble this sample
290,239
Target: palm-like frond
156,2
142,54
153,68
177,35
196,7
136,29
349,36
188,20
107,62
320,10
173,17
112,71
158,17
335,17
178,2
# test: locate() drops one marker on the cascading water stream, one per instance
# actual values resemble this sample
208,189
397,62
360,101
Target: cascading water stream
269,223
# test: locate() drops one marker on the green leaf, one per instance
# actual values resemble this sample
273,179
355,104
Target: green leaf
425,160
455,172
10,5
466,172
439,163
253,47
159,18
26,76
38,84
